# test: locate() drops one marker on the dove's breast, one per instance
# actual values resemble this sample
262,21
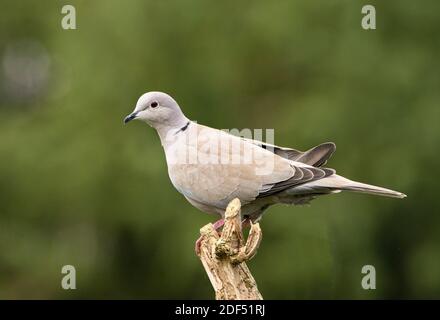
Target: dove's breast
209,184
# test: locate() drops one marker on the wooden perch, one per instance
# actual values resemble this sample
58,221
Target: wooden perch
224,257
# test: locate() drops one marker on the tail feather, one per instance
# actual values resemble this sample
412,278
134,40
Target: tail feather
367,188
337,182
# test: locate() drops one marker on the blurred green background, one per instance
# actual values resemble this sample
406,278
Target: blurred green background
79,188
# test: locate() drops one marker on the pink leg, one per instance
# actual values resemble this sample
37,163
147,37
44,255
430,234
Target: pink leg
217,225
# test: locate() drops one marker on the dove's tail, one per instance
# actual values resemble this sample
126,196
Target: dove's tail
368,188
336,182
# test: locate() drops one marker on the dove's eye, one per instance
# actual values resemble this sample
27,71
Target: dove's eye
154,104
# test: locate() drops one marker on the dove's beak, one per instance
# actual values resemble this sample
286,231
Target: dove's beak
130,117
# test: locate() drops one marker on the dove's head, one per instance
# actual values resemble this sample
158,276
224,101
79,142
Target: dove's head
158,110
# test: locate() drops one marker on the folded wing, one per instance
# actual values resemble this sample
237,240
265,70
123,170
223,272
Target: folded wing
317,156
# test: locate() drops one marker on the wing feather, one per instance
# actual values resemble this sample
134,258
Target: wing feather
308,174
317,156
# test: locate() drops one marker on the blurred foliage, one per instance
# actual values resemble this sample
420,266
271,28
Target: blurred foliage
77,187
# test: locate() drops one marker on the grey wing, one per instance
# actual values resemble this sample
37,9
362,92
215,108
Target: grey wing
316,157
301,176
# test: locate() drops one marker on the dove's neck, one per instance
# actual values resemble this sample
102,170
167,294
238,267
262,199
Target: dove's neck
168,131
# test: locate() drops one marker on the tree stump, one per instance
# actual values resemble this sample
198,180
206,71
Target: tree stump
224,257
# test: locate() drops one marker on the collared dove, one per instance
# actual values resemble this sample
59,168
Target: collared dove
211,167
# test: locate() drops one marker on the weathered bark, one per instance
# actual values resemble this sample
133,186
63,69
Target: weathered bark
224,257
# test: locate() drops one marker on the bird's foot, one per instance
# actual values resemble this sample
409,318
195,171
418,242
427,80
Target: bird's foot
217,225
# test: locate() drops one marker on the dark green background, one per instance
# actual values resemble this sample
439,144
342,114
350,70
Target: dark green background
77,187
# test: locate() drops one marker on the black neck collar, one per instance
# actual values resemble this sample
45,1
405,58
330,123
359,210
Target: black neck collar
183,128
